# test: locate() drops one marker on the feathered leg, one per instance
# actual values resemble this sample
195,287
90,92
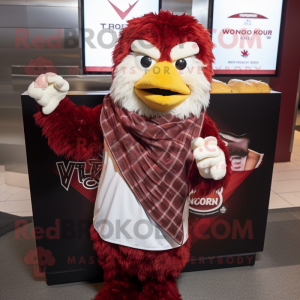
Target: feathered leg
156,271
117,284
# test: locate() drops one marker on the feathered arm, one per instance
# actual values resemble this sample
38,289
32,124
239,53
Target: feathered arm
200,186
73,132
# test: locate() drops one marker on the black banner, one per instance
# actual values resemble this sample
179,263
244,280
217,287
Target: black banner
227,228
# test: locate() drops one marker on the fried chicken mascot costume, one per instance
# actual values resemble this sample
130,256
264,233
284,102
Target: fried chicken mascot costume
159,148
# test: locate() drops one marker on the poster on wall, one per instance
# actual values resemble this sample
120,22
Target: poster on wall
103,20
246,36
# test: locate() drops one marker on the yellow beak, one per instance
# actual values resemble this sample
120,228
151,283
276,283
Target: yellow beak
162,88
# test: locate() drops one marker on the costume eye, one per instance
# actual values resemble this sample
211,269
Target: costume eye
146,61
186,65
181,64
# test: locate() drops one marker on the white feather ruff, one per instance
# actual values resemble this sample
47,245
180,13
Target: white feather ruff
127,74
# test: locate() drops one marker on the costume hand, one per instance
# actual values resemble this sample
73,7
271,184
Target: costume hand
209,157
48,90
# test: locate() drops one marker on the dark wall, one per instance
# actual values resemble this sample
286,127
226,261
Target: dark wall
288,75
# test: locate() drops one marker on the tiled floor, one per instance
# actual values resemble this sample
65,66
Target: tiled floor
285,187
286,180
14,200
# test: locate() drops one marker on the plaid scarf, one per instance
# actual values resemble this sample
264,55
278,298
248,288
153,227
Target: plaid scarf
155,157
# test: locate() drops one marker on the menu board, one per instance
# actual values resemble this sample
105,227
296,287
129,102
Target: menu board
102,21
246,36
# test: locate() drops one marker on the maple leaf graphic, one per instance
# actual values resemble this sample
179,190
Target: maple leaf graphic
126,12
245,53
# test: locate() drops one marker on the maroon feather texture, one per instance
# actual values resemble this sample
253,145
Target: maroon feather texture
165,30
73,132
117,260
202,186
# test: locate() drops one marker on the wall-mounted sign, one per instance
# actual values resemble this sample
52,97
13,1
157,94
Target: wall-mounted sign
246,36
102,22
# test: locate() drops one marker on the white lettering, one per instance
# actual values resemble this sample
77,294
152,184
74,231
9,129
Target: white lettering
205,201
248,15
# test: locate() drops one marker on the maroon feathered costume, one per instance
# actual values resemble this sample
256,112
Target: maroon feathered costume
132,273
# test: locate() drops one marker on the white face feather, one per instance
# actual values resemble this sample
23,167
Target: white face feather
129,71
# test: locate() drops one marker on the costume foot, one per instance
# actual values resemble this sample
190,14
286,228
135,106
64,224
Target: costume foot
117,290
160,291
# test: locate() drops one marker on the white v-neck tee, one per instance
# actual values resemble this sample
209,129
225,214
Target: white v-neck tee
119,217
